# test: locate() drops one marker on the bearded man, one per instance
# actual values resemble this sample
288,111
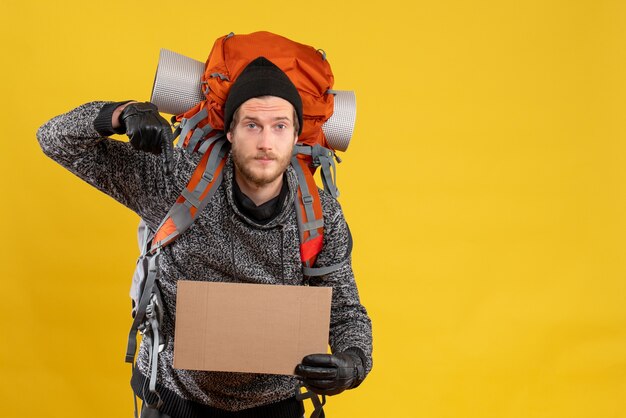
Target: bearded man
247,233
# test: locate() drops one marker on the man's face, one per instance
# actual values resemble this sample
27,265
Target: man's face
262,140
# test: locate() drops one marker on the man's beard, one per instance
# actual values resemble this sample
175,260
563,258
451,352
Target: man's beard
259,178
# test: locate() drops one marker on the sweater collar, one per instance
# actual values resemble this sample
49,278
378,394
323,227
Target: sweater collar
285,204
265,212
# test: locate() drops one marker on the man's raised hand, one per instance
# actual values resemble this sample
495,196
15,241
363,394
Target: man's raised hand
148,131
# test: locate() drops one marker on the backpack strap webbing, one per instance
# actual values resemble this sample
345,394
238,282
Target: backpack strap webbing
204,181
150,266
320,271
325,159
318,406
189,124
151,333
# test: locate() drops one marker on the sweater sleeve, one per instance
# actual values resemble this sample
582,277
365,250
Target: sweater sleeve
136,179
350,325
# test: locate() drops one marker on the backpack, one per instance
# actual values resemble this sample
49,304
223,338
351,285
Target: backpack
201,130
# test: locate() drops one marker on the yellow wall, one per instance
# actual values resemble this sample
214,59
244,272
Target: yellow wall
485,187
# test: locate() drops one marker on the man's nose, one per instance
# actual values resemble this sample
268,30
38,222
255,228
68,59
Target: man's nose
265,139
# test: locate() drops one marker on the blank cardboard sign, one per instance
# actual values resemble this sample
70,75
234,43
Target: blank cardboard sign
253,328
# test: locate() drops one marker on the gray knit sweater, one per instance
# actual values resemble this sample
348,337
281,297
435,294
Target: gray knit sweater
222,245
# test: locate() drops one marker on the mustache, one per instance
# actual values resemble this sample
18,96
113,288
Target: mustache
265,156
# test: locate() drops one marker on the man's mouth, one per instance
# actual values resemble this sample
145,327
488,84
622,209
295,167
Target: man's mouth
264,157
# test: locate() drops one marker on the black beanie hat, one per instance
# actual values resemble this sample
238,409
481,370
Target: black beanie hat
261,77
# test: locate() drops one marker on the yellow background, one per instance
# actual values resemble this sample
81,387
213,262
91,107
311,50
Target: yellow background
485,187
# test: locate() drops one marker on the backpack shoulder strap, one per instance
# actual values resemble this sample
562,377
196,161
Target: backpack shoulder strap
201,187
308,212
309,208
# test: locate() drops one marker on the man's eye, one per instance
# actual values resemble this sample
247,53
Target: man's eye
251,125
281,126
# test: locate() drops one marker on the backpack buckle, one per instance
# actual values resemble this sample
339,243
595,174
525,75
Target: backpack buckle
207,176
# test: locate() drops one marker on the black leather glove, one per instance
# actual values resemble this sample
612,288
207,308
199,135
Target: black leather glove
330,374
148,131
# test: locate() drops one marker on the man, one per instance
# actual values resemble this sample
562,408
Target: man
247,233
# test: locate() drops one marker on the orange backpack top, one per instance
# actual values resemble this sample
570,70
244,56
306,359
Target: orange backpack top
307,68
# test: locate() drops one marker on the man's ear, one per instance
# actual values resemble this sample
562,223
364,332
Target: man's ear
228,136
295,139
